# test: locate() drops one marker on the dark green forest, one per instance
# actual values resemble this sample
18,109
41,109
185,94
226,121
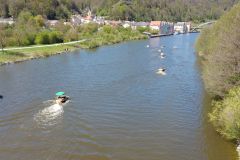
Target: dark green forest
138,10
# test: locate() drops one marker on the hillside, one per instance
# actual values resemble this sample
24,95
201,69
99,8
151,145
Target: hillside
139,10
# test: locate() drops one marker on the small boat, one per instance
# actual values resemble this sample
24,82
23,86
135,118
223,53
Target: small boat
148,46
161,71
159,50
61,98
162,56
174,47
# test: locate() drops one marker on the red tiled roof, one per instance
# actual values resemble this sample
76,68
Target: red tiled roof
155,23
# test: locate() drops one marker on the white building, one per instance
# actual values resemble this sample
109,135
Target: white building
76,19
9,21
135,25
52,22
126,24
155,25
189,26
180,27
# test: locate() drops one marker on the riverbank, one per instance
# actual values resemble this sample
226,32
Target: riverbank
20,54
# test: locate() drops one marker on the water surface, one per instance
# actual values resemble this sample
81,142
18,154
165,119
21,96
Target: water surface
120,109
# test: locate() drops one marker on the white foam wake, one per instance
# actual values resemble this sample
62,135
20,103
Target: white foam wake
49,116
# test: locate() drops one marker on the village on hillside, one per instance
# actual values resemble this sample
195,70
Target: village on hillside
160,27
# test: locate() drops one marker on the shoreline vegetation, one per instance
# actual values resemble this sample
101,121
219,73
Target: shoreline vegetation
8,56
219,51
40,40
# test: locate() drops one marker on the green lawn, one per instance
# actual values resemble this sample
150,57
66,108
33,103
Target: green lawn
10,56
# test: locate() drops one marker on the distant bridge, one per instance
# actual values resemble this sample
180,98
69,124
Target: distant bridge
202,25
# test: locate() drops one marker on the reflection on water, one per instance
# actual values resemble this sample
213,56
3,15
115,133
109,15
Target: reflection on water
49,116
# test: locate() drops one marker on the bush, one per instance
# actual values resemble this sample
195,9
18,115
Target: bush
71,35
42,38
143,29
55,37
226,115
107,29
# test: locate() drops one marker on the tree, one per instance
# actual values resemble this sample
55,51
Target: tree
71,35
2,37
42,38
55,37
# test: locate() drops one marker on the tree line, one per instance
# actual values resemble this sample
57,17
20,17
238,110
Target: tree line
138,10
31,30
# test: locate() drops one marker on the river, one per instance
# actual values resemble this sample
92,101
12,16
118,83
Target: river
120,108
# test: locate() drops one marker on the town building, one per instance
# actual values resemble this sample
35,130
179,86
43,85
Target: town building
76,20
88,18
155,25
135,25
180,27
99,20
162,26
189,26
126,24
113,23
52,22
9,21
166,27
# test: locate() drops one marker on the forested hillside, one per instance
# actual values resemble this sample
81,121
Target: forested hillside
139,10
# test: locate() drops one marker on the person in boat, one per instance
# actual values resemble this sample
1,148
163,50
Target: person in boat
162,55
61,98
161,71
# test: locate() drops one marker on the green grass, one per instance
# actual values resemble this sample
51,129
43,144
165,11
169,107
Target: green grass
96,40
9,56
31,53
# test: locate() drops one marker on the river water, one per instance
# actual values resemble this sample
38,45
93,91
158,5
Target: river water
120,108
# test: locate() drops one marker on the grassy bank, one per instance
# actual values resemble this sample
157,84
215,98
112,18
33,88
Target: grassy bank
219,50
106,36
31,53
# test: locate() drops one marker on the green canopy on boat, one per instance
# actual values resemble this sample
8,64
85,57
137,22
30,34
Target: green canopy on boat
60,93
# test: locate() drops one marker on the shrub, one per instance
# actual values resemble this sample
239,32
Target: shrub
107,29
71,35
226,115
55,37
42,38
